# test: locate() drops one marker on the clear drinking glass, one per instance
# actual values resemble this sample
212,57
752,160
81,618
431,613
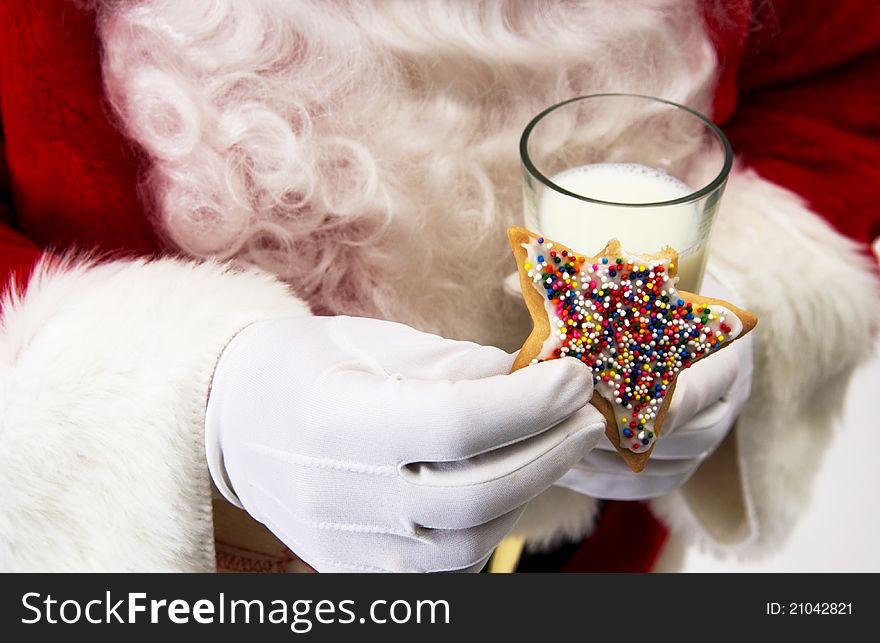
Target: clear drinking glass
644,170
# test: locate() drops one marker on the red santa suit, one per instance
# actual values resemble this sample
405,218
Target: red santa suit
173,174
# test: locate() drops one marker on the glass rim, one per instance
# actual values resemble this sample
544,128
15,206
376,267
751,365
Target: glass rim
715,183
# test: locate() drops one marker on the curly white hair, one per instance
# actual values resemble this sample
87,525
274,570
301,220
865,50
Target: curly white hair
366,151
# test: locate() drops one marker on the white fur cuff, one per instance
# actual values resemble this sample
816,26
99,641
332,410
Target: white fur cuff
556,516
103,385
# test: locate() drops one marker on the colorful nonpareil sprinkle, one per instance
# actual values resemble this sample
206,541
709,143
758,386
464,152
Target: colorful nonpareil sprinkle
624,318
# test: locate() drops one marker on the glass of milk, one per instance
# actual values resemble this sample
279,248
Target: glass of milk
636,168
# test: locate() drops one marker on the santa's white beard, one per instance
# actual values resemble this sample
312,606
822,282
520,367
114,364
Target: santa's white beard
368,152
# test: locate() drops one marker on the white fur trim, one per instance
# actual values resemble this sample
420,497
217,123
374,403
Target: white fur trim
104,376
557,515
784,260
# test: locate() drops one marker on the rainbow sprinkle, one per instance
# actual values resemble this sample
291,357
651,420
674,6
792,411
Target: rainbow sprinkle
623,317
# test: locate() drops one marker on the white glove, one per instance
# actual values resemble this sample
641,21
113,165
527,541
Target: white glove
707,400
368,446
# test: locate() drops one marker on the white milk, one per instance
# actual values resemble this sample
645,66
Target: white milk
586,227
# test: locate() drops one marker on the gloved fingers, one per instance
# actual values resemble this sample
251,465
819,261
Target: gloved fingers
607,463
700,386
465,550
703,421
700,437
321,488
418,420
344,547
624,485
477,567
390,500
327,547
474,491
696,439
398,349
704,430
715,411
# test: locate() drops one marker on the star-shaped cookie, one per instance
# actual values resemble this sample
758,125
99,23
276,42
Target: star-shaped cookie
620,314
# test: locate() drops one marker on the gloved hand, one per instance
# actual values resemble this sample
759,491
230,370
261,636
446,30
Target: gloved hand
707,400
368,446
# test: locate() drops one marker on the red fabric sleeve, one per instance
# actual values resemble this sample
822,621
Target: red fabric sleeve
792,39
17,254
68,178
799,98
74,175
819,137
628,538
17,259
